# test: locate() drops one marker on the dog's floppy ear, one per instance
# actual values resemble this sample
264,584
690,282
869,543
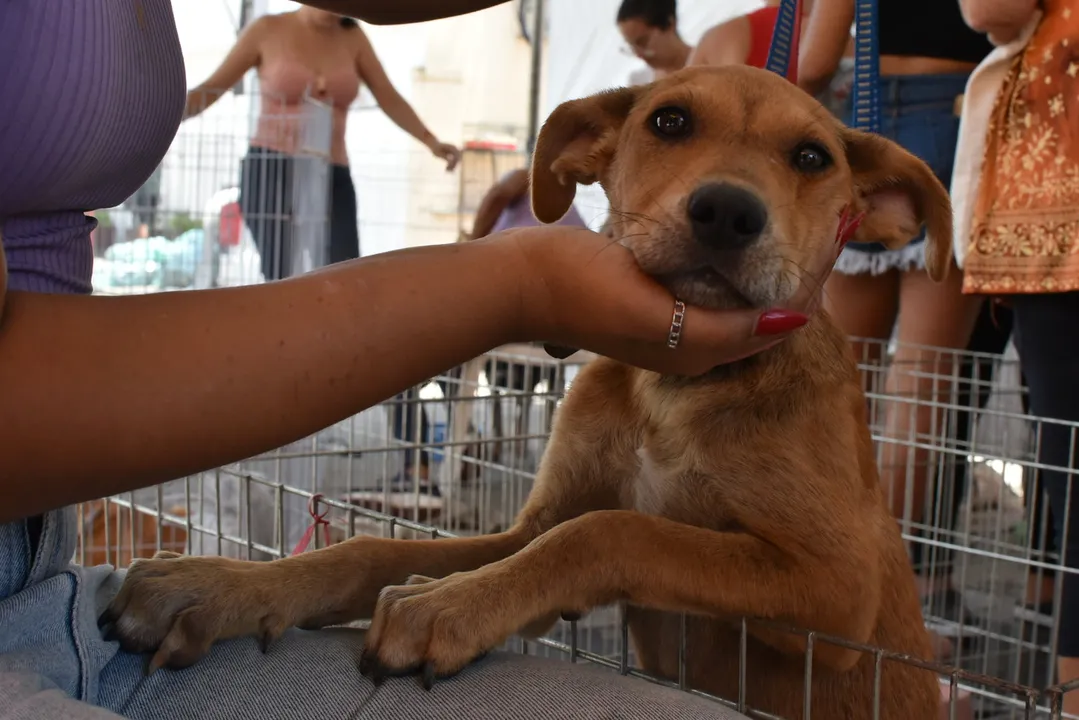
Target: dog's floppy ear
899,194
576,145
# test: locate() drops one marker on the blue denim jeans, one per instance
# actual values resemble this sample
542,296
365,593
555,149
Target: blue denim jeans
918,112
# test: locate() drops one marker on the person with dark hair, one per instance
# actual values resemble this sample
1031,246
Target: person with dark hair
650,28
327,55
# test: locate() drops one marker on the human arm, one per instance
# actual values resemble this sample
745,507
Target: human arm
396,107
243,56
1002,20
725,44
498,198
400,12
823,42
183,382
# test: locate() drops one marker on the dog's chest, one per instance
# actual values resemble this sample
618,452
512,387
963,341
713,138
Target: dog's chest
670,489
652,486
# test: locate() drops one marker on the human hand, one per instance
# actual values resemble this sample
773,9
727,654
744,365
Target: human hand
581,290
447,152
1001,21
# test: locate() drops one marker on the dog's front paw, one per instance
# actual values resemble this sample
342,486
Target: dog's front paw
438,627
177,607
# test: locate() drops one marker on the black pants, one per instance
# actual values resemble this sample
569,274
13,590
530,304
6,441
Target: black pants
406,413
974,377
1048,345
268,205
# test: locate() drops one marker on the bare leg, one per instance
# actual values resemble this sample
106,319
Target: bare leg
864,306
932,315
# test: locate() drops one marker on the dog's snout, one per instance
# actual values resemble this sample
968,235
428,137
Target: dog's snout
726,216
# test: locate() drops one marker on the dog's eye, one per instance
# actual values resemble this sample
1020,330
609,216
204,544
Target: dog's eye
670,122
809,158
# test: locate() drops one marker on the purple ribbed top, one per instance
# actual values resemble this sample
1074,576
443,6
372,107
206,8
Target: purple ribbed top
91,95
519,214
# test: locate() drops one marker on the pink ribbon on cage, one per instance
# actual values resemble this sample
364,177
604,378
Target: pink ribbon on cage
317,519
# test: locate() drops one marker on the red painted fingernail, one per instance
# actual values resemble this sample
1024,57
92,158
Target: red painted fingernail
776,322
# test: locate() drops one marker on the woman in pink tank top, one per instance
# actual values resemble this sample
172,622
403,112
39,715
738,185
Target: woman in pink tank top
308,52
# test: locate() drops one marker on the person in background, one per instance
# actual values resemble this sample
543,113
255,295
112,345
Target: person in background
650,29
1017,222
326,56
507,205
926,56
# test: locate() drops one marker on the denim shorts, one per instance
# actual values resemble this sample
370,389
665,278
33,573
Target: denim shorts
918,112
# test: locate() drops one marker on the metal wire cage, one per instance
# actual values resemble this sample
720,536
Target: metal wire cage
457,456
243,193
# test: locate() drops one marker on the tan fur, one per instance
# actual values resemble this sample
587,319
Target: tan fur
751,491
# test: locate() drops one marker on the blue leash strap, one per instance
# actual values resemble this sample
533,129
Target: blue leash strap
865,90
783,40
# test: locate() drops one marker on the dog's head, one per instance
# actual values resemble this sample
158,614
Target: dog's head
731,186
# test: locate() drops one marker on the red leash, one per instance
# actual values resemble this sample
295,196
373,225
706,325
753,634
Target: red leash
317,519
848,226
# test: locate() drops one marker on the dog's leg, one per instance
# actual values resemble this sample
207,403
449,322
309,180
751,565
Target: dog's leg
179,606
618,555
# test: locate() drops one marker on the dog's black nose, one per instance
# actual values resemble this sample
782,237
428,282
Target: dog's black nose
726,216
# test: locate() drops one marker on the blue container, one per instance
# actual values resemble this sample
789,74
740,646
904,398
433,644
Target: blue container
438,436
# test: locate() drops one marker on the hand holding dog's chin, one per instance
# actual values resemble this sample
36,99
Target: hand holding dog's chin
579,289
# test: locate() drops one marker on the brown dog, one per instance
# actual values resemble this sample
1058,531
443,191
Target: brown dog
751,491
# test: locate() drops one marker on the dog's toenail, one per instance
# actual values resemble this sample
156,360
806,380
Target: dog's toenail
428,676
365,662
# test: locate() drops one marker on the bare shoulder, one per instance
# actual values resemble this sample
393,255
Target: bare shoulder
725,31
265,25
257,35
721,42
356,37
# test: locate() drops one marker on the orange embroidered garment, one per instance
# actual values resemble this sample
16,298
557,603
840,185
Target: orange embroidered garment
1025,231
